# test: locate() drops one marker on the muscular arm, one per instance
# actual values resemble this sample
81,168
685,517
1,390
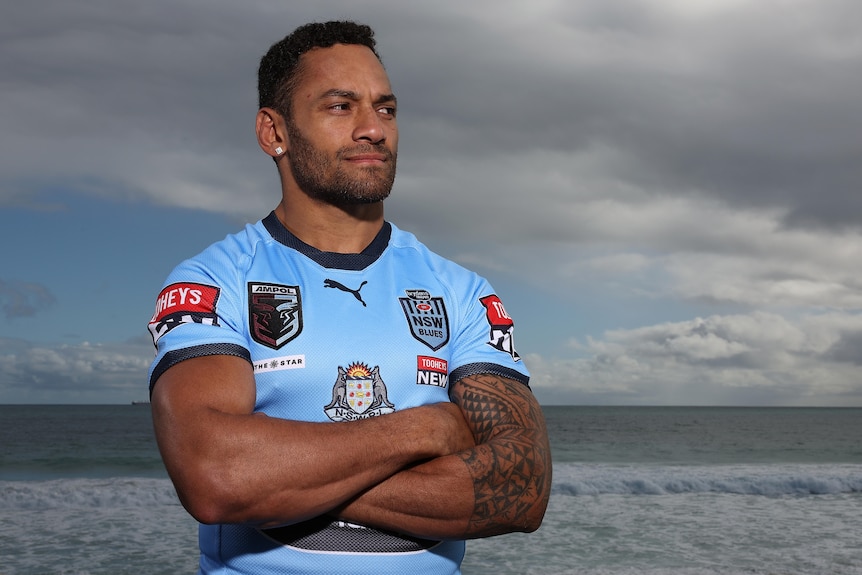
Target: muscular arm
499,486
230,465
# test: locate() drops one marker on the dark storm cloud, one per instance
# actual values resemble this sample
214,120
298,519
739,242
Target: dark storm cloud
754,104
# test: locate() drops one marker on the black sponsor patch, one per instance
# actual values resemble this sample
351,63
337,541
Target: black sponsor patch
274,313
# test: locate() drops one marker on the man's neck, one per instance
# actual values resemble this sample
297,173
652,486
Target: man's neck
329,228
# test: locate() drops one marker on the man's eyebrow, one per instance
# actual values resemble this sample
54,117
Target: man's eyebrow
336,93
351,95
387,98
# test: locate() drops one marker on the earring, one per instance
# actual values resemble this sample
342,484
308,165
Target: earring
279,151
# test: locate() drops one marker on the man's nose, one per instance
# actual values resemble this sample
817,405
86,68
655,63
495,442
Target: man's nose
369,126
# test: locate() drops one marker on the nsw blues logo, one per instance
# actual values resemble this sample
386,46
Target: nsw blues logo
426,317
274,313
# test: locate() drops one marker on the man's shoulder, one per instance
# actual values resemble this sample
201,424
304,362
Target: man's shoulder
233,252
408,242
244,241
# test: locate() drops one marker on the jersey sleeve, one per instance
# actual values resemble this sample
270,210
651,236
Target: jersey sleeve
484,338
197,312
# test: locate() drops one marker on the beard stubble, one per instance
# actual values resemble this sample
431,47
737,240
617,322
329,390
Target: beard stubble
324,178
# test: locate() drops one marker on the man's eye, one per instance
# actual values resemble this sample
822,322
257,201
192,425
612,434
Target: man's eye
344,106
388,110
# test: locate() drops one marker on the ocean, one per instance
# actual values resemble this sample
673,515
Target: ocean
637,490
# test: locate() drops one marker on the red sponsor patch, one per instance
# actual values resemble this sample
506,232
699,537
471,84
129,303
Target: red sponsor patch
502,326
495,311
432,371
426,363
185,298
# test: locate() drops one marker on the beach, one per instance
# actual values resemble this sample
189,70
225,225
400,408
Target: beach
662,491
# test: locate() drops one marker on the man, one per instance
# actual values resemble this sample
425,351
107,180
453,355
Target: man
328,395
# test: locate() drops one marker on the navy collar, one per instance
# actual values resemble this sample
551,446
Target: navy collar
330,260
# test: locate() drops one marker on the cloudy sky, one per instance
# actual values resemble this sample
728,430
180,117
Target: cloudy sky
666,194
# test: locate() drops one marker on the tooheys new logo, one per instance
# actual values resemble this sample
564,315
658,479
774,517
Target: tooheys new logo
432,371
502,326
181,303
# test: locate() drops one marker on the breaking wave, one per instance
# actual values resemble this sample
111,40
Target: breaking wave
87,493
570,479
770,480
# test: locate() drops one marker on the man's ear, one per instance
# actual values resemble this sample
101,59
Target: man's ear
271,132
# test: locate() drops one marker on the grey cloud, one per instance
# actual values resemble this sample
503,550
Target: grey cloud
81,373
24,299
753,107
753,359
848,348
699,151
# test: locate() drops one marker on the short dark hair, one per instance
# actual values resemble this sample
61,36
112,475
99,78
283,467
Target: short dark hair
279,68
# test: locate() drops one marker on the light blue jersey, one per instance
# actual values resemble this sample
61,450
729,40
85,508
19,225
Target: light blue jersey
332,337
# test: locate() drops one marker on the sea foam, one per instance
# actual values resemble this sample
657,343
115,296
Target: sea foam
767,480
114,492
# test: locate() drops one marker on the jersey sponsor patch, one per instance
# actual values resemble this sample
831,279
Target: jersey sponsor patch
502,335
432,371
279,363
358,393
181,303
427,318
274,313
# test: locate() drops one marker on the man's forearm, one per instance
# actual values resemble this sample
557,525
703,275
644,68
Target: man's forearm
477,493
230,465
499,486
510,467
432,500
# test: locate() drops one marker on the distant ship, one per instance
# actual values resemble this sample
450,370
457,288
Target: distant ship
140,402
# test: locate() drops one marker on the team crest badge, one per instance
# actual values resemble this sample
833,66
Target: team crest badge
274,313
426,317
358,393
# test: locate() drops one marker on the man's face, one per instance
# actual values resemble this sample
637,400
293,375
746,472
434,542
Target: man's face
342,133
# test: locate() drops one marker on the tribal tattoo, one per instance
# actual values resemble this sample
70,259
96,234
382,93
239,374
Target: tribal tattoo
511,463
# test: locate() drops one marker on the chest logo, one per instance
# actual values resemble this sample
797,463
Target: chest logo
274,313
426,317
358,393
334,284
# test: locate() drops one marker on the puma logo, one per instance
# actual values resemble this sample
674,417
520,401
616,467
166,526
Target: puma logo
334,284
